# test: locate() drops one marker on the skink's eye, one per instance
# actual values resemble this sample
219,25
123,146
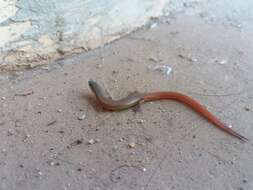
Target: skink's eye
90,83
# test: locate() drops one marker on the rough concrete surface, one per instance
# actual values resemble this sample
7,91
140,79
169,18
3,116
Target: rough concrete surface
54,135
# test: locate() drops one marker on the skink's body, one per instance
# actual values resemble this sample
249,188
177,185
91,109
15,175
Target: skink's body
135,98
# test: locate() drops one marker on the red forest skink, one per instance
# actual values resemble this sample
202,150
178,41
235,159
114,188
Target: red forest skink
136,98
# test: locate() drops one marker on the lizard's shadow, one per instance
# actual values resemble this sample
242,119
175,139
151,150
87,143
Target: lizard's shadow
91,99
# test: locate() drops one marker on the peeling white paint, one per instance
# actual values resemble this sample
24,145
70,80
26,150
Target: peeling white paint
47,44
12,32
48,29
8,9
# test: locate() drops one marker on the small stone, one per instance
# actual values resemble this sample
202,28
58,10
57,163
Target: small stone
141,121
194,59
115,72
3,98
77,142
51,163
40,173
81,116
244,181
131,145
59,93
114,148
98,66
10,132
4,150
91,141
223,62
59,110
153,59
247,109
79,169
144,169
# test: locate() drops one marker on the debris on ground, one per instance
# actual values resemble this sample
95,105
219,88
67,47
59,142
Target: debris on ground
188,58
141,121
11,132
27,93
81,116
154,59
246,109
51,123
52,163
38,172
93,141
222,61
131,145
77,142
164,69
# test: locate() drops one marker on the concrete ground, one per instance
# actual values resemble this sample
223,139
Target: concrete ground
54,135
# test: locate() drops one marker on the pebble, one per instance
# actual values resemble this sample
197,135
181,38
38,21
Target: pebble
59,110
223,62
38,172
247,109
154,59
52,163
121,140
11,132
81,116
131,145
4,150
91,141
141,121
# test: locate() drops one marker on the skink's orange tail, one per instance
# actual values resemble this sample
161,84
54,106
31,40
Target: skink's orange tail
195,106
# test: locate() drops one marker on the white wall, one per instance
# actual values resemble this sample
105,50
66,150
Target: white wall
34,32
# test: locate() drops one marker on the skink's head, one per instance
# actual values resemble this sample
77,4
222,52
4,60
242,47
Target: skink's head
95,88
